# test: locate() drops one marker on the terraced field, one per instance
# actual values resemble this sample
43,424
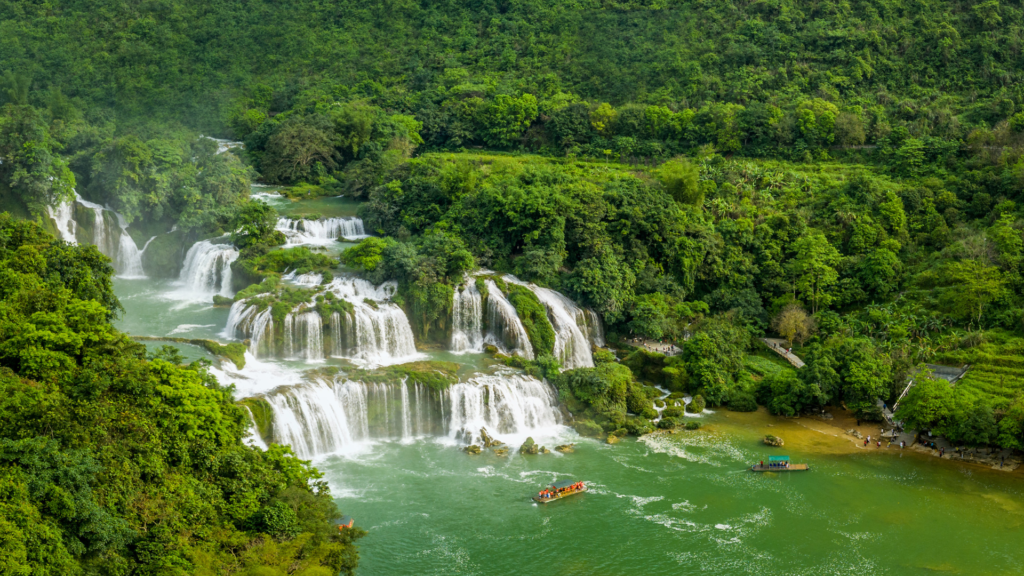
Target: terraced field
997,367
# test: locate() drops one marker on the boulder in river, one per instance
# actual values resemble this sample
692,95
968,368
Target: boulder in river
612,439
773,440
472,449
501,452
529,447
488,440
566,448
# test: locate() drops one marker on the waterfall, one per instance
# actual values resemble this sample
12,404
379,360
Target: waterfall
250,322
594,329
375,332
64,217
129,257
99,233
572,345
467,320
375,336
323,416
207,268
505,403
323,231
303,334
505,329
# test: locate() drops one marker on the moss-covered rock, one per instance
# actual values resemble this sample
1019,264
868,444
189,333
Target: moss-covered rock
649,413
773,440
667,423
566,448
471,449
262,416
219,300
693,425
165,255
697,405
612,439
534,317
587,428
235,351
529,447
672,412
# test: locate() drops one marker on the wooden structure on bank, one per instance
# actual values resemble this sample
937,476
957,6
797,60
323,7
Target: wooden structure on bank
779,464
559,490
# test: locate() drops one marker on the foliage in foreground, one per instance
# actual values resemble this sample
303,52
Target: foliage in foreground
113,464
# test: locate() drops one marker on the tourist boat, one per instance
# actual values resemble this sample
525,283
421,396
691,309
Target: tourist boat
779,464
560,490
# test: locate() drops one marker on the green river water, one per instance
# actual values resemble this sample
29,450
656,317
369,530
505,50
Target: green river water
665,504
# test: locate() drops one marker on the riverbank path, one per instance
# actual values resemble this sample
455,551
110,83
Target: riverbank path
780,347
668,349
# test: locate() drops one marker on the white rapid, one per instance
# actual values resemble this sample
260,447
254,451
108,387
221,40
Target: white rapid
322,231
504,328
303,336
64,216
129,257
207,269
373,335
467,319
323,417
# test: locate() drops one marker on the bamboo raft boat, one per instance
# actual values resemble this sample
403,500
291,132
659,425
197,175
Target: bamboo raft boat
559,490
779,464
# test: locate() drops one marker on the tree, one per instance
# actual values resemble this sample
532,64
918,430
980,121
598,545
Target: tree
505,118
816,119
29,162
812,268
680,179
256,223
294,151
794,323
969,287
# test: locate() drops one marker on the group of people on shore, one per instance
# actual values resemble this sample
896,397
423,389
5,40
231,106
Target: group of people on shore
659,347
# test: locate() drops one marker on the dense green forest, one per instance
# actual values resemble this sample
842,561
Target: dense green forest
847,175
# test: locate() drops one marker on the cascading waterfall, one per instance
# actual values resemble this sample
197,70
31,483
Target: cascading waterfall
99,233
375,331
64,216
572,345
129,257
321,231
323,417
303,336
207,268
375,335
504,328
467,320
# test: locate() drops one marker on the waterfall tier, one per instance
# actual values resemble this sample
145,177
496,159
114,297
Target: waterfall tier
207,269
467,320
323,231
570,322
114,242
369,330
504,328
323,417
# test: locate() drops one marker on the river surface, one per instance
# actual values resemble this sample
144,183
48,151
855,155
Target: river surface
680,503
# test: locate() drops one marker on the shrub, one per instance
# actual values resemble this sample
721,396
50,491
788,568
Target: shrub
673,412
636,400
696,406
638,427
649,413
602,356
667,423
742,402
587,428
692,425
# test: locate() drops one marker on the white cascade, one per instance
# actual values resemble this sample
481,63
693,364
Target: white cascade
323,417
572,344
64,216
129,257
322,231
506,403
467,320
249,321
99,233
207,268
378,335
303,336
504,328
